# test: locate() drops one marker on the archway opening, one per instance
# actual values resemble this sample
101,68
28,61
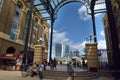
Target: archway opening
11,50
71,28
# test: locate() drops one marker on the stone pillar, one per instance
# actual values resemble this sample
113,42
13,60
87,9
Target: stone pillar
92,56
45,56
39,53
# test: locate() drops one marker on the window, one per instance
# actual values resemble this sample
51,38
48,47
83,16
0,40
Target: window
32,44
35,28
25,30
23,41
33,35
15,25
18,10
17,14
13,36
16,20
19,6
36,20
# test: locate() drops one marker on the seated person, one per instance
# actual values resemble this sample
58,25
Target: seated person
34,70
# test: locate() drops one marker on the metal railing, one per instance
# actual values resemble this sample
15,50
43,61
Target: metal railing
105,60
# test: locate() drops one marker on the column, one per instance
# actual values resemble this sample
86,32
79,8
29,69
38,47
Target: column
39,53
45,56
92,56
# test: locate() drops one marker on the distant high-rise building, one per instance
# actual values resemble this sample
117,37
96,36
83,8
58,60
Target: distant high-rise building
58,50
67,49
76,53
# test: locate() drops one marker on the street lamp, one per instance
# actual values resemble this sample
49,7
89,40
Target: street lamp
89,37
40,40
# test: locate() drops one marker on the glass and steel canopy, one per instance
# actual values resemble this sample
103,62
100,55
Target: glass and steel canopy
49,8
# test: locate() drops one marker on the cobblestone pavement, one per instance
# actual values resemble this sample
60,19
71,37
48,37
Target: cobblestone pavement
15,75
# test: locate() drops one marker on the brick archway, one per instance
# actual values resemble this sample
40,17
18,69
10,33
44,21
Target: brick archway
10,50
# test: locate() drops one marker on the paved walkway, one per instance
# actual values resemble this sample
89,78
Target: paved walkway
64,68
16,75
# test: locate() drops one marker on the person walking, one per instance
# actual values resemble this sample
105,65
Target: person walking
70,70
40,70
54,64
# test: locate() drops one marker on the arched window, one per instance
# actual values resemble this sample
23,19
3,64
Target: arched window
35,28
33,35
35,20
16,20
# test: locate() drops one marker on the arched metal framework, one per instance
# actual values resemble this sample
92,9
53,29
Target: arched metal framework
49,8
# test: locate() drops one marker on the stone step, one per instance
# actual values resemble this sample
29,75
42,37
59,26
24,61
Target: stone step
63,75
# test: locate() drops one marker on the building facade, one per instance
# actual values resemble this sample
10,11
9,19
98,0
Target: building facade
14,15
116,13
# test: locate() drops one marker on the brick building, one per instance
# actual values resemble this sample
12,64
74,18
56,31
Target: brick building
13,26
116,13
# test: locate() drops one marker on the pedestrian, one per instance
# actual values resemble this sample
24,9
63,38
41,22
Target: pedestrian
70,70
34,70
60,62
40,70
45,64
55,64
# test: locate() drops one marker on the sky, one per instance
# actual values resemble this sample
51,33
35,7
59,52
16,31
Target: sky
73,25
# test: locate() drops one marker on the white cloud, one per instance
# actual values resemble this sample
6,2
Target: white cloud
78,46
83,11
102,33
62,38
102,44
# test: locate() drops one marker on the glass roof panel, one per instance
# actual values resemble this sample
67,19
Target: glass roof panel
99,5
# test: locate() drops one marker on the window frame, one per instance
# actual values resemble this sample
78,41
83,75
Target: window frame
35,28
15,36
1,3
33,35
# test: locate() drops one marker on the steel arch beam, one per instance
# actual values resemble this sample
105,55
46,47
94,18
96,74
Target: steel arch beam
62,3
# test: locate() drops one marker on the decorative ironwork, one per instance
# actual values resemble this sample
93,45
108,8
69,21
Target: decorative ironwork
51,7
105,63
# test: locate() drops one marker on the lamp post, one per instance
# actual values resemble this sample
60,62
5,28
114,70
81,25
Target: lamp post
93,18
89,38
27,33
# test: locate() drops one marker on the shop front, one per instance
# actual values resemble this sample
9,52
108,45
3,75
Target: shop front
10,61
